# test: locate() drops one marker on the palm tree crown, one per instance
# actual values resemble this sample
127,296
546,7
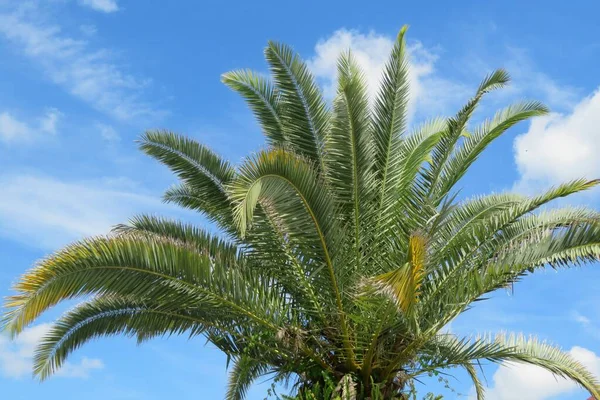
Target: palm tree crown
344,250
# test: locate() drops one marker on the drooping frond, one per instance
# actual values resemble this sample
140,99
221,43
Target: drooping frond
477,384
402,285
109,315
182,233
448,350
271,174
244,372
535,352
262,98
203,173
144,267
268,175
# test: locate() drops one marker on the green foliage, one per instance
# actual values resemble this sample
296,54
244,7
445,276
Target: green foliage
342,253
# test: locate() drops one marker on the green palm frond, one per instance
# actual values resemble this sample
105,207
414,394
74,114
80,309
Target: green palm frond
262,98
304,112
111,316
185,234
477,384
193,162
268,175
469,242
389,119
477,141
455,129
203,173
349,151
142,267
244,372
448,350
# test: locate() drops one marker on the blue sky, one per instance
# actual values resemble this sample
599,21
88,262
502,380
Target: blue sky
81,79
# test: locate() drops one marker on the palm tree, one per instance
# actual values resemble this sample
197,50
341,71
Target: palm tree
343,253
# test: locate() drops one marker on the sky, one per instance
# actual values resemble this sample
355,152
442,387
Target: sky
80,80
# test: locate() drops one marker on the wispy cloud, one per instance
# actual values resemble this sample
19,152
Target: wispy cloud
13,129
529,80
581,319
88,29
108,133
106,6
46,212
49,122
89,74
16,356
587,324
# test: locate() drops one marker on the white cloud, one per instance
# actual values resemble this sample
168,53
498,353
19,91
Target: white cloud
108,133
12,129
429,92
16,356
49,122
519,381
47,213
88,29
106,6
370,50
560,147
581,319
88,74
81,369
587,324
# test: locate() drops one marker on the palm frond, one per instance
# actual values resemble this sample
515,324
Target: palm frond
402,285
203,173
191,161
389,118
268,175
463,157
148,267
477,384
456,127
262,98
304,113
182,233
448,350
470,241
244,372
349,151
